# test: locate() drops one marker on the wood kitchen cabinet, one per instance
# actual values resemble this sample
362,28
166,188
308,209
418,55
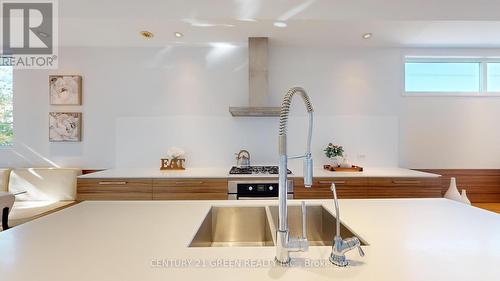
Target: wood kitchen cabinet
114,189
152,189
217,189
404,188
482,185
346,188
352,188
189,189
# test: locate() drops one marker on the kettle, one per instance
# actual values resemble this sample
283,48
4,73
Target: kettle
243,158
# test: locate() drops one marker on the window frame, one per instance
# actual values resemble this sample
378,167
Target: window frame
483,75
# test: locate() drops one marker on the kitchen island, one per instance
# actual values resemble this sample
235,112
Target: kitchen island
408,239
213,184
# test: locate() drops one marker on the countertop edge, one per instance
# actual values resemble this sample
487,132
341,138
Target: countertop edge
221,173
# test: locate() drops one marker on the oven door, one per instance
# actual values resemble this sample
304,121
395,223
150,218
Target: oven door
256,190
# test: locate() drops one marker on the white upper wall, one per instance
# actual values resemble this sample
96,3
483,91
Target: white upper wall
172,88
450,132
139,101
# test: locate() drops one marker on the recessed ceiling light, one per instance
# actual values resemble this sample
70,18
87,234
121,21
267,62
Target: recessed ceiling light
280,24
247,19
178,34
367,36
147,34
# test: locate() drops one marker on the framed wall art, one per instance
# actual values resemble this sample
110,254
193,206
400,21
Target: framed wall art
65,89
65,126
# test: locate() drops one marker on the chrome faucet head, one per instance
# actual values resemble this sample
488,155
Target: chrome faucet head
308,170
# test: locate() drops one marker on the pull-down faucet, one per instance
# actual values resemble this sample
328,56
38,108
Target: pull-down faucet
285,244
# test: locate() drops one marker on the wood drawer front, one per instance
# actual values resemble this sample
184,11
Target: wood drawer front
165,189
115,189
189,196
388,182
404,188
404,192
339,182
346,188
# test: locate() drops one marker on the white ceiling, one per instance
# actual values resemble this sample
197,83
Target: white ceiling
394,23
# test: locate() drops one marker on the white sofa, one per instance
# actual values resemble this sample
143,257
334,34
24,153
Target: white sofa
4,179
45,190
6,202
6,199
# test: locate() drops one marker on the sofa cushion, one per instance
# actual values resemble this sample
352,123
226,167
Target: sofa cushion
44,184
4,179
24,211
6,203
6,200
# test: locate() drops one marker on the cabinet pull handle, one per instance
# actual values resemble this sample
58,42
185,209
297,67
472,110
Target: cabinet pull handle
405,182
187,182
330,182
112,183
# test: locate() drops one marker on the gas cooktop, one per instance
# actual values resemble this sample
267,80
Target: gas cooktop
255,170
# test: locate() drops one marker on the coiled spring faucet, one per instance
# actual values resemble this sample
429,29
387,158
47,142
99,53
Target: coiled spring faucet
285,244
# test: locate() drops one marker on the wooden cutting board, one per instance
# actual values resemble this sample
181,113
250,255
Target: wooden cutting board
354,168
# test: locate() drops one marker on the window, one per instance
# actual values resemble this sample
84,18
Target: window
6,118
493,77
452,76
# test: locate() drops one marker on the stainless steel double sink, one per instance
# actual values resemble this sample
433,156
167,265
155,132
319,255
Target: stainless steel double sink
256,226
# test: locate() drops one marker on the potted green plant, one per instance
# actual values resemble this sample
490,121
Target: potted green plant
334,152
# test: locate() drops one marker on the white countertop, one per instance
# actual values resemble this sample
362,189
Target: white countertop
412,239
224,173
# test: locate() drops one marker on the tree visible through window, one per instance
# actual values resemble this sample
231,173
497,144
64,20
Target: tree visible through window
6,116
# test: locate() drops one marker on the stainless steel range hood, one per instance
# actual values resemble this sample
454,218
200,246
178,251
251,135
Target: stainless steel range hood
257,84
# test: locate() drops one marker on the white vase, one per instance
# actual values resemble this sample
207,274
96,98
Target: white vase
452,192
345,163
336,161
465,200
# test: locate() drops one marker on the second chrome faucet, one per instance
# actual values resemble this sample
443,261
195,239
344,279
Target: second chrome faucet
341,246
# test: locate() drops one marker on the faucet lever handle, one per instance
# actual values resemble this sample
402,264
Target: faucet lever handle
361,252
354,242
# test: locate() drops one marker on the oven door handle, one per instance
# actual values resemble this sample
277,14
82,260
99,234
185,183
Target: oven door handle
257,198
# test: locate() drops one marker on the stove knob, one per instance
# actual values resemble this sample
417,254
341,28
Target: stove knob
270,188
250,188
